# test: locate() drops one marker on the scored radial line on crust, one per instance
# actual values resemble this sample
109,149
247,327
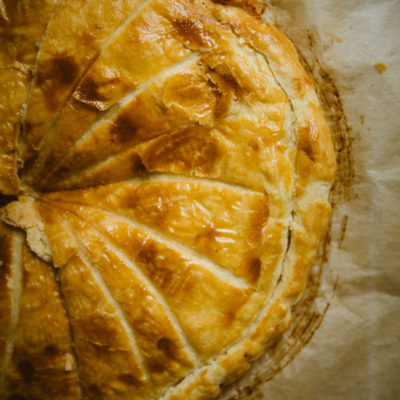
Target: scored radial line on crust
16,288
110,298
152,289
116,108
71,332
47,138
68,181
219,271
182,178
21,142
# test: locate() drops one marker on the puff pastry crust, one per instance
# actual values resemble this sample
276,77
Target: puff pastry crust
173,182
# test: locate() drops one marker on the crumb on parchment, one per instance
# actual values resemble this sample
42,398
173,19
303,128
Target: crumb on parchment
381,67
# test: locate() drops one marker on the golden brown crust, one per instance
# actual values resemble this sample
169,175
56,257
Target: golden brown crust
75,34
22,24
42,363
7,303
13,90
222,222
198,174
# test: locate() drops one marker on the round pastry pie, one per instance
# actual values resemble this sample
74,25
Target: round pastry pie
169,167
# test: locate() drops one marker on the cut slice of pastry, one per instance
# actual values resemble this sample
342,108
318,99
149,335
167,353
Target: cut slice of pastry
173,198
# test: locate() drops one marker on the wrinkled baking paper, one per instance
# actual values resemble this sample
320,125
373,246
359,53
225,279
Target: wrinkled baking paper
355,352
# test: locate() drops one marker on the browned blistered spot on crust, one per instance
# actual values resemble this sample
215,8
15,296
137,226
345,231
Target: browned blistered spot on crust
27,370
56,72
128,379
307,142
168,347
254,269
259,219
51,350
61,70
123,129
100,334
156,366
209,233
233,82
28,127
191,31
224,93
88,93
95,389
230,318
137,166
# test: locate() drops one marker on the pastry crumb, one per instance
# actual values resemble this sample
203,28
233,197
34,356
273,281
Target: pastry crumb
381,67
337,38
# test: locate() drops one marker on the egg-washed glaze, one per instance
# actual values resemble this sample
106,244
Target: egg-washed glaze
175,167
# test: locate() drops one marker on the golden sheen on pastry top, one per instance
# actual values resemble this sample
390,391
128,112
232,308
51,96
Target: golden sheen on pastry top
171,167
22,24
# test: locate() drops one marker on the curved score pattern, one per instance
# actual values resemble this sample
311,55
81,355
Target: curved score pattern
175,152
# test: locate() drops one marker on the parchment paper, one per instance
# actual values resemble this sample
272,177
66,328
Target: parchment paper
355,353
